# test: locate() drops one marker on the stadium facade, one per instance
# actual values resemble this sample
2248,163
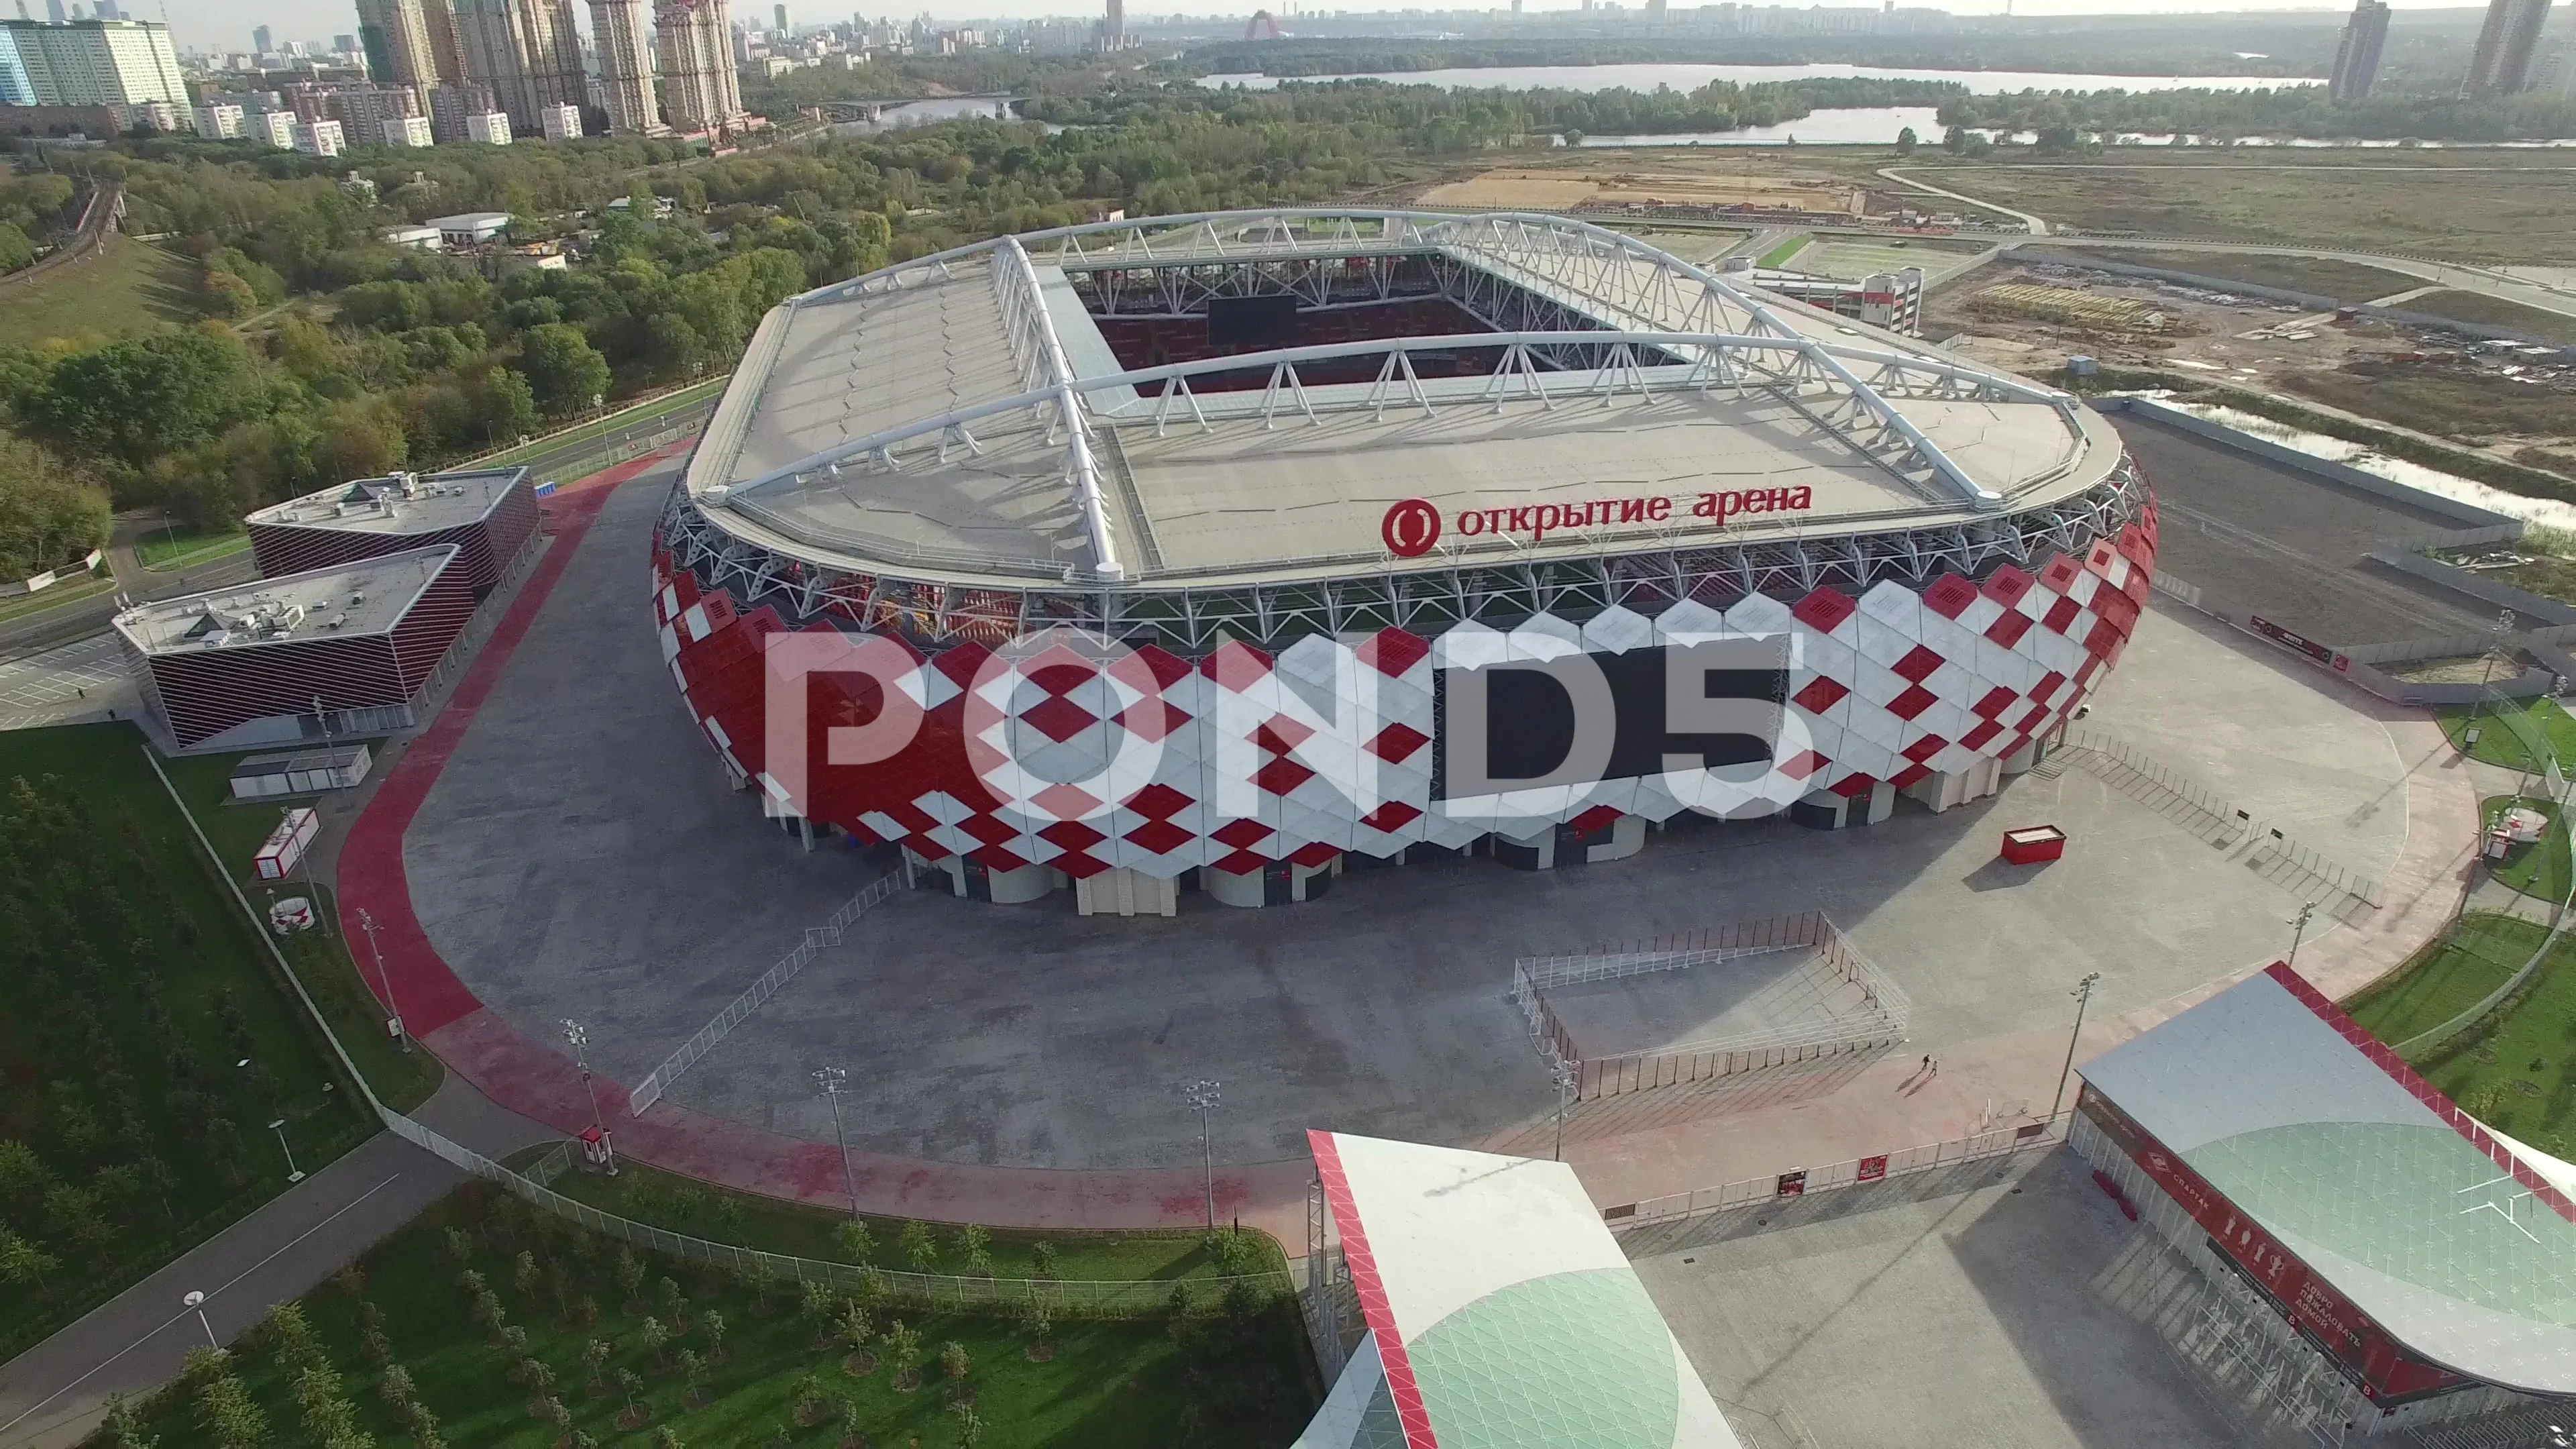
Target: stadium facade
1225,550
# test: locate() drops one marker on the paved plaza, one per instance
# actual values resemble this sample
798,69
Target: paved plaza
581,856
2003,1302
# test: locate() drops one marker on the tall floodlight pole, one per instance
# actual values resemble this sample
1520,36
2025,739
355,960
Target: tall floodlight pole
2083,994
579,1038
1202,1095
833,1081
197,1301
293,1172
1562,1074
384,979
2299,930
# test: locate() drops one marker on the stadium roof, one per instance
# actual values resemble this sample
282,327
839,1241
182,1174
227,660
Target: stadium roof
2432,1225
1501,1313
402,503
342,601
915,418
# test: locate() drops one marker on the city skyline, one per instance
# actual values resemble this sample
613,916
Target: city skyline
225,25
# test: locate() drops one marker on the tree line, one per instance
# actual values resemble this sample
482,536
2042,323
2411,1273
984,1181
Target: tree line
1674,43
1441,120
2065,117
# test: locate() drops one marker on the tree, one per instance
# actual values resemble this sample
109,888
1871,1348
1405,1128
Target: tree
594,1358
125,1427
902,1350
693,1373
506,404
711,1325
630,1273
855,1241
675,347
564,372
920,1249
397,1389
977,1246
22,1262
139,398
1906,141
15,250
954,1365
655,1338
1042,1259
970,1425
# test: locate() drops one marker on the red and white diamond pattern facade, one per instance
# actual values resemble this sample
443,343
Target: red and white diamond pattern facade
1894,685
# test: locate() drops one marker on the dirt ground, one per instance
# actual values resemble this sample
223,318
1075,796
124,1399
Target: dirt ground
2243,340
1622,177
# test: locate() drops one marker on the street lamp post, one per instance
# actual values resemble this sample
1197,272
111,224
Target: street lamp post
1562,1074
834,1081
384,979
2299,930
197,1301
293,1172
1202,1095
2083,994
579,1038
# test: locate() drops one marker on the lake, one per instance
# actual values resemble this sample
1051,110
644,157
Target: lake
1692,77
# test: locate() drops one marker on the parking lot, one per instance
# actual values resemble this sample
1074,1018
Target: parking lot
73,682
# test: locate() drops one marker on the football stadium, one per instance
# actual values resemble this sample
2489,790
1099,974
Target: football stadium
1230,551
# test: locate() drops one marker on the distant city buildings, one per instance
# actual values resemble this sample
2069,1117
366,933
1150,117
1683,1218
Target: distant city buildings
700,94
320,138
89,63
2501,64
2356,62
407,131
527,52
560,122
625,49
219,123
489,129
450,104
400,46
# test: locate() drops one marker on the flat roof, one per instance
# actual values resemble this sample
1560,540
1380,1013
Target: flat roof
1243,486
469,220
400,503
345,600
1501,1312
2426,1221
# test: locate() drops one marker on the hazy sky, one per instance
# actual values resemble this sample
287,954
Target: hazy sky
227,24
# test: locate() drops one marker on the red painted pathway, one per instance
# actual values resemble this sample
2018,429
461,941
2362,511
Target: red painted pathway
537,1081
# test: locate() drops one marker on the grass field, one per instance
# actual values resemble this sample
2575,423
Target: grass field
134,287
2498,312
2343,281
596,427
2538,870
2448,211
321,959
134,989
2444,404
2507,741
187,547
1779,255
735,1367
2517,1073
677,1203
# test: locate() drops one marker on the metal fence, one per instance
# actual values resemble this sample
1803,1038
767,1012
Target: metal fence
1852,1172
2129,768
817,938
1105,1298
1880,1022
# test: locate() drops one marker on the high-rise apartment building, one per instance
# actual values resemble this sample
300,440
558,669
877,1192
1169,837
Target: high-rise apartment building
561,122
779,14
2356,62
219,122
450,104
492,129
363,110
260,42
1113,25
320,138
395,35
439,16
699,91
277,128
625,68
89,63
527,51
2502,61
407,131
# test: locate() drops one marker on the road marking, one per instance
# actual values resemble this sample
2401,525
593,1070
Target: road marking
210,1297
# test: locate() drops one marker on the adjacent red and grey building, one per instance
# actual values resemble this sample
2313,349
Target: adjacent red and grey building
1231,551
489,514
331,653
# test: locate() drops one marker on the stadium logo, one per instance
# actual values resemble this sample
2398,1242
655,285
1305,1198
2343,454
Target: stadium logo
1410,528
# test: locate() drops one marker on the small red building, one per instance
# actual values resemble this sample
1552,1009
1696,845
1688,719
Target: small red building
330,653
489,514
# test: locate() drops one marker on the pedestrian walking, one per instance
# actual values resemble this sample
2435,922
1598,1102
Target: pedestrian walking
1926,1068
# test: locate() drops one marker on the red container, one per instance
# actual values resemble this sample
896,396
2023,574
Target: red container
2033,844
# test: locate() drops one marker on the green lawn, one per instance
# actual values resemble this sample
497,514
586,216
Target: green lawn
72,592
135,287
1244,1377
134,989
325,963
180,548
2496,312
2517,1072
2505,734
1779,255
2539,869
747,1220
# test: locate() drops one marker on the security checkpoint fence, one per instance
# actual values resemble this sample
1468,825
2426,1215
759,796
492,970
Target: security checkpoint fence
1099,1298
2129,768
1880,1022
2002,1141
817,938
